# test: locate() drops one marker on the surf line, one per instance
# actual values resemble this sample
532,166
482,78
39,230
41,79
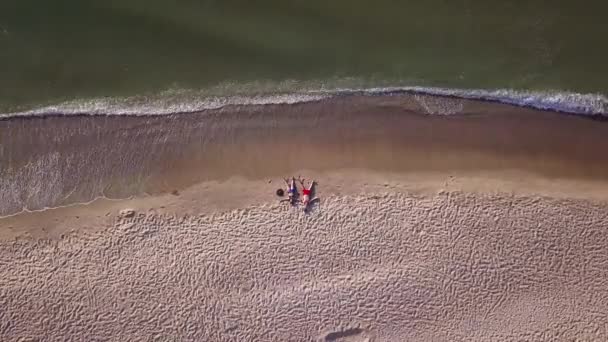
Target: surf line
25,210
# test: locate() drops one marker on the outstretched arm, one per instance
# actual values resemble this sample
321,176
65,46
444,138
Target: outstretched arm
312,183
293,182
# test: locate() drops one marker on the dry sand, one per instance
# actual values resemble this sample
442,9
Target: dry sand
384,266
464,228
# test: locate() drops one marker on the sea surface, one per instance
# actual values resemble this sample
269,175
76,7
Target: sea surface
156,57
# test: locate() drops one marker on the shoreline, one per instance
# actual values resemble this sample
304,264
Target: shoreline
59,161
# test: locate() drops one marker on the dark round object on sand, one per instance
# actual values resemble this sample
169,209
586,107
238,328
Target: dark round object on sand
280,192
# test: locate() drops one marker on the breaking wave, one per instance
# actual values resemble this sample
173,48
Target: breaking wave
175,102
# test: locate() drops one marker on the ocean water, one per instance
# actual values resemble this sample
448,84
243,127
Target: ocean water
155,56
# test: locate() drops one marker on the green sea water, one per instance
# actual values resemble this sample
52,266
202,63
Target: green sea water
52,51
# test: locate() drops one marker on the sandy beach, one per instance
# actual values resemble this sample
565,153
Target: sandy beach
439,220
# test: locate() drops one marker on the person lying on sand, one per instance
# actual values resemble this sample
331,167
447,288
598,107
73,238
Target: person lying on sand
307,193
292,191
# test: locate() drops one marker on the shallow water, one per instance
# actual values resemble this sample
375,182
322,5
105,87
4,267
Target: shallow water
73,49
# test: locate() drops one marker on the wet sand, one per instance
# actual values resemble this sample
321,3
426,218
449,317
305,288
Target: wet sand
56,161
485,225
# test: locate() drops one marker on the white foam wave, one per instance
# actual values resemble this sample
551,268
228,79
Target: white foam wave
188,101
161,105
575,103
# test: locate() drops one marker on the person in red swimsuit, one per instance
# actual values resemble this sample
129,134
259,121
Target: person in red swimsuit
307,193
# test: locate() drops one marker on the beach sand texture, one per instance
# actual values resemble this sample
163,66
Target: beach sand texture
488,225
386,267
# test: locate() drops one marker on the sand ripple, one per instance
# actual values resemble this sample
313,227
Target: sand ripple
452,267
